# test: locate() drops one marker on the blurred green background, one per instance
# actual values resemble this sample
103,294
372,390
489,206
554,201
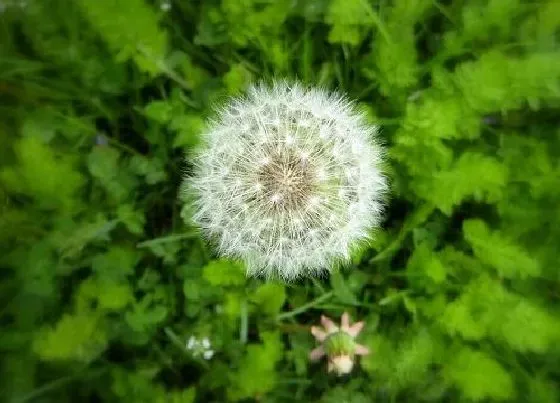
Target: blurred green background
106,295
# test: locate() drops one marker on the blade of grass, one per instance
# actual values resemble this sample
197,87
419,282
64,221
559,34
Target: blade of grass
305,307
167,239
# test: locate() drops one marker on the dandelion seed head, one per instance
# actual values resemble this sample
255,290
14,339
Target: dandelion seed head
288,178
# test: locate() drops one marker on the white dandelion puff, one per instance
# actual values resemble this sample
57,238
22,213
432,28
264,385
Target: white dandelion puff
288,179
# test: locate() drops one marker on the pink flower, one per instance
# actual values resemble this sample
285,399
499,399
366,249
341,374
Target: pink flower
337,343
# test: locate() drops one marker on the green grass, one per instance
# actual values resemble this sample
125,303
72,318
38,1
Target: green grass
103,280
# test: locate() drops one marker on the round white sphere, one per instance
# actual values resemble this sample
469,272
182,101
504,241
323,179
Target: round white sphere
288,179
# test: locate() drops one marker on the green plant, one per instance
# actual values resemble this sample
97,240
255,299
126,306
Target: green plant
103,285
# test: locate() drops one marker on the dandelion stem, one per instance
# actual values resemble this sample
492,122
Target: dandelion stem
418,217
305,307
377,21
166,239
174,338
244,325
57,383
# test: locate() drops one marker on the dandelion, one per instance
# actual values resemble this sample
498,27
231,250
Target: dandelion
337,343
288,180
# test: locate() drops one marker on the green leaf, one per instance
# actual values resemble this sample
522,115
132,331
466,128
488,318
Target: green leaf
134,220
233,305
478,376
237,78
538,169
103,162
484,22
403,360
261,19
146,314
473,175
104,165
348,20
212,28
117,263
270,298
341,289
159,111
194,76
447,118
138,386
75,337
339,394
181,396
487,309
224,273
103,294
413,359
395,53
425,264
151,168
17,374
167,251
36,268
496,82
191,289
40,125
529,328
130,28
188,129
543,390
51,180
497,251
460,318
541,26
114,297
73,239
377,363
255,374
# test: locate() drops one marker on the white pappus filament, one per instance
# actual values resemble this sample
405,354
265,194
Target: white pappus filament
288,179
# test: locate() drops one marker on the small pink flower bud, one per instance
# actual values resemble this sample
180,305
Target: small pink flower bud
338,344
341,364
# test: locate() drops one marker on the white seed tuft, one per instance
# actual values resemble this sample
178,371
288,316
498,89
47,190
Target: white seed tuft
288,178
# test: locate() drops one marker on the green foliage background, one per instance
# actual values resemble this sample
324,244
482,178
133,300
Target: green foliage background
102,282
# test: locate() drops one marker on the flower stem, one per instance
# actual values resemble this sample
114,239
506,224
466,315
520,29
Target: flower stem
166,239
305,307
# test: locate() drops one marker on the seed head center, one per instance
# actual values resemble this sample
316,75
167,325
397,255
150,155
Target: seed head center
286,180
